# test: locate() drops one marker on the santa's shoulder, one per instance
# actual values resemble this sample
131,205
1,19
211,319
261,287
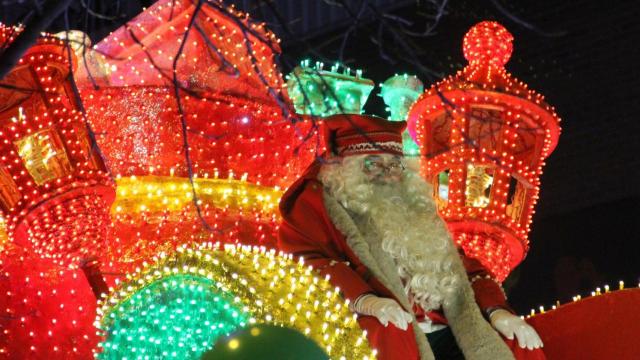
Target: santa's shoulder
308,191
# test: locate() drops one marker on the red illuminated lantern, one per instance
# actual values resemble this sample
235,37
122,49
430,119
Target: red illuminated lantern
483,138
54,189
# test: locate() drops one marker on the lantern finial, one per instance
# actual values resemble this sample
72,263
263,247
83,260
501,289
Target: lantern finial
488,42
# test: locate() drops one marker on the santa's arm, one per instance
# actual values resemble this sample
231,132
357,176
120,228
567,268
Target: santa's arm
305,232
488,291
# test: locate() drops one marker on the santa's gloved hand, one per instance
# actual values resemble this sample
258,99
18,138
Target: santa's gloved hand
384,309
509,325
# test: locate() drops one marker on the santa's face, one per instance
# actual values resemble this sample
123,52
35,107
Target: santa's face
383,169
393,205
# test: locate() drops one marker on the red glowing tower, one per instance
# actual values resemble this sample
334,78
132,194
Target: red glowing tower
54,189
483,138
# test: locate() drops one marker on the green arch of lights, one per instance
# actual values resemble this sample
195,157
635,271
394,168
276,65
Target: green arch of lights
176,317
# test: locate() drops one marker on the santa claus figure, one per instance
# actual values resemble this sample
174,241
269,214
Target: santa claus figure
359,215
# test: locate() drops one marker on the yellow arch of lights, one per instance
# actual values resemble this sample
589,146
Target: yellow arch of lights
272,287
138,194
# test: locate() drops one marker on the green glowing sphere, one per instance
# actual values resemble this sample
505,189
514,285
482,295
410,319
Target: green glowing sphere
265,342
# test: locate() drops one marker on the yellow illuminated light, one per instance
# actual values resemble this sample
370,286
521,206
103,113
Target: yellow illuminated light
4,239
165,193
234,344
576,298
44,156
478,183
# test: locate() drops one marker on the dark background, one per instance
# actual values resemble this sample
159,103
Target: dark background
582,55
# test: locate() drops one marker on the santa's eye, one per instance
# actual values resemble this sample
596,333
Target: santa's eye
376,165
379,167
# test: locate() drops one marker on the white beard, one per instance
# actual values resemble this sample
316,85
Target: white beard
401,218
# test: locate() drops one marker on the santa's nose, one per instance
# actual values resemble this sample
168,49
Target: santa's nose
386,178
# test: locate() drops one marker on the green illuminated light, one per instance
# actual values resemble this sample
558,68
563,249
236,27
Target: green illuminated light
179,317
327,92
399,93
409,146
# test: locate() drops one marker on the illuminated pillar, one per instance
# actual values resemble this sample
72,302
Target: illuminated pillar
54,189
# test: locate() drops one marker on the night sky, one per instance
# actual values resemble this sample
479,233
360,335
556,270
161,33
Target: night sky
582,55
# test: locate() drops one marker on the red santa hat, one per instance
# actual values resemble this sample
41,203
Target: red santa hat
350,134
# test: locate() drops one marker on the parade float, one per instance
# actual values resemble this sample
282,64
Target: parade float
141,176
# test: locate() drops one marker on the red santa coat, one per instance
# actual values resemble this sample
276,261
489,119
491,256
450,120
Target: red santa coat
307,230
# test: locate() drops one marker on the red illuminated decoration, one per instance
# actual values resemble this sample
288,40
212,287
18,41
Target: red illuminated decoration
55,192
242,148
483,138
46,312
197,143
235,127
243,152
